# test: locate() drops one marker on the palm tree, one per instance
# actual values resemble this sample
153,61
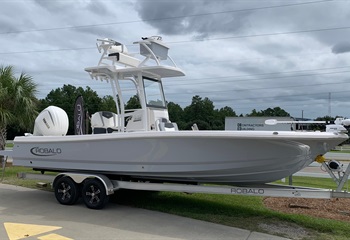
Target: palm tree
17,101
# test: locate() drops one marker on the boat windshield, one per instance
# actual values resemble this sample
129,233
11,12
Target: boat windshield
154,93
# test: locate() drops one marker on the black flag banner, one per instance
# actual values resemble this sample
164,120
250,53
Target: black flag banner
79,115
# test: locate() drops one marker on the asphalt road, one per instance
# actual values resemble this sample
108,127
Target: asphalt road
337,156
34,214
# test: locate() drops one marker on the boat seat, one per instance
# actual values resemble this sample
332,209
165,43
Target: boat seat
104,122
168,126
125,59
160,124
194,127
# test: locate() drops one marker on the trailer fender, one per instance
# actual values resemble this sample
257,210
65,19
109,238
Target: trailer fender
81,177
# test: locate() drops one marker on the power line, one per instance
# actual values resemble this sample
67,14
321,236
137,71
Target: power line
264,88
282,96
264,34
282,105
167,18
49,50
244,59
269,56
231,76
259,79
246,80
270,103
256,79
277,96
197,40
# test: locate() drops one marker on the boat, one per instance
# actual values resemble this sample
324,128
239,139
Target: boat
144,145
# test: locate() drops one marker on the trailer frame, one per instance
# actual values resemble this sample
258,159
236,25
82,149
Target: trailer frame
92,185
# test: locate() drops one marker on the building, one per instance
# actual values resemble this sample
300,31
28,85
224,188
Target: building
258,124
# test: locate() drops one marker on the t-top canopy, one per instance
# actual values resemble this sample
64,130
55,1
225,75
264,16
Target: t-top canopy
116,61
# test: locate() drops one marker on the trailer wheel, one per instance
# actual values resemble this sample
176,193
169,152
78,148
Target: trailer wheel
94,194
66,191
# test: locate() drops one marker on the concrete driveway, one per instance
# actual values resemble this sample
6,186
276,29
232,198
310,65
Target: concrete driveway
33,214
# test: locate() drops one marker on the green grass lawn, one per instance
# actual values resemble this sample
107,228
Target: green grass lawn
326,183
10,177
343,151
232,210
9,145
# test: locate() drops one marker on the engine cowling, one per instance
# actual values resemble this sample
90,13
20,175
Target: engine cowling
52,121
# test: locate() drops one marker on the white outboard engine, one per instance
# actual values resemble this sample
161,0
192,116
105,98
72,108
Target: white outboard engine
52,121
336,128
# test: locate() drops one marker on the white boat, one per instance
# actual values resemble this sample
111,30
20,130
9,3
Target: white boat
145,145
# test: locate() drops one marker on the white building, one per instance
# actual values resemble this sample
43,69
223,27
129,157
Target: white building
257,124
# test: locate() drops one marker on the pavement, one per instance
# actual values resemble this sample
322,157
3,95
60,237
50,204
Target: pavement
35,214
337,156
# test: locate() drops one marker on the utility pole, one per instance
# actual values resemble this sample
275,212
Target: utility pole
329,105
302,119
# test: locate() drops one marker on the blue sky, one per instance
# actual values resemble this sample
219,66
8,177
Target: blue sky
242,54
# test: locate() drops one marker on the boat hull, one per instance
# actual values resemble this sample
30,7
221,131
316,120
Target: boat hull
189,156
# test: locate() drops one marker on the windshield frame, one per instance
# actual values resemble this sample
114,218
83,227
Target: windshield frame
150,84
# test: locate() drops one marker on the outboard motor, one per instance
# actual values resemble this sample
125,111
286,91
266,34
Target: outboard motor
52,121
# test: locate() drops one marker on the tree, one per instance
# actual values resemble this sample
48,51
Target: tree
108,104
221,114
18,104
133,103
176,114
321,127
254,113
269,112
279,112
200,110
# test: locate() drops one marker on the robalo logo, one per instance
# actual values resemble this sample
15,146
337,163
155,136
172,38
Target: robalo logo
38,151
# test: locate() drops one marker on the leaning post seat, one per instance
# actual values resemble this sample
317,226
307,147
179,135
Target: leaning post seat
168,126
104,122
164,124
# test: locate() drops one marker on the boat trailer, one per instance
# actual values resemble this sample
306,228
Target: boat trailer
95,188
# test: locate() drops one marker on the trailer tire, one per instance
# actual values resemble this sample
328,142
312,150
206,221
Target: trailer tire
94,194
66,191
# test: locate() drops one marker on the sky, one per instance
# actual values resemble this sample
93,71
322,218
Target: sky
245,54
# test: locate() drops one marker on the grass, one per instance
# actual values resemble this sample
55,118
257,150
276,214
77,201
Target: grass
232,210
340,151
326,183
9,145
236,211
10,177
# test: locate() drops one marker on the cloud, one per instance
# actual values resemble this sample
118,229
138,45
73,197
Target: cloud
55,6
230,71
172,18
7,25
341,47
98,8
